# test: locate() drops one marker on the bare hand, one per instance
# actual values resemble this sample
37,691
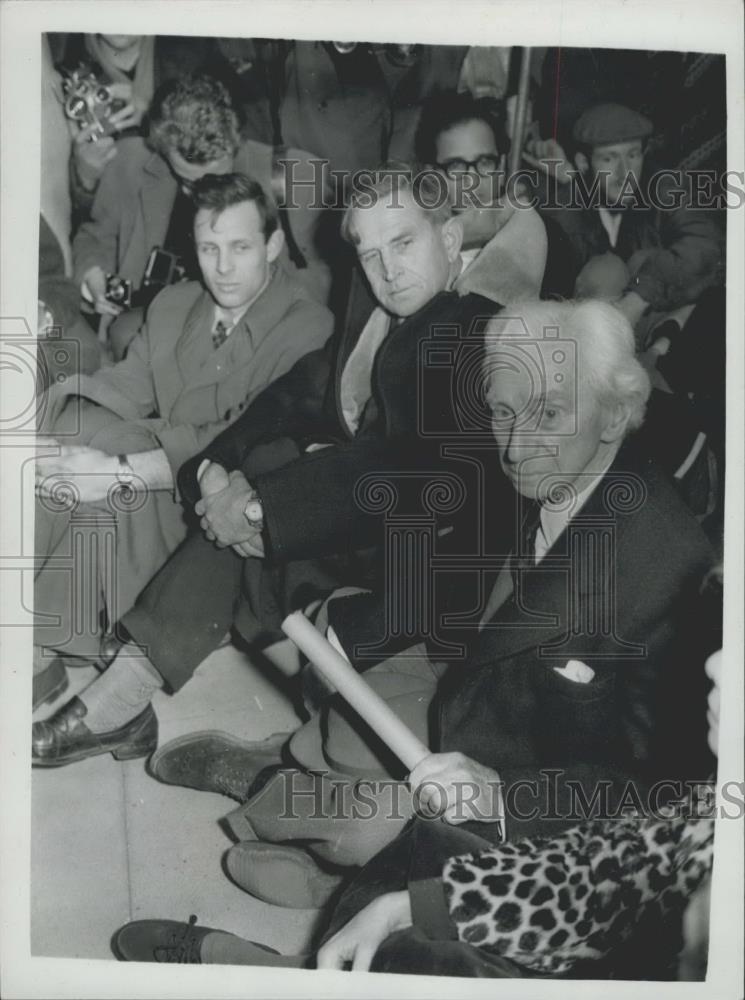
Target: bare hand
549,156
93,288
358,940
223,519
713,668
211,477
44,320
134,108
633,307
89,474
456,788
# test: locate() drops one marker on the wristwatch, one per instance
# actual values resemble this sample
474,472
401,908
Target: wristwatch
254,512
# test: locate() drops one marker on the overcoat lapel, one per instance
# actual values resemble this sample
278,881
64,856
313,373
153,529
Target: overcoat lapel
194,345
575,575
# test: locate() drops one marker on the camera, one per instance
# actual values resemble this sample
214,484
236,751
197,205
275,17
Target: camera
162,269
118,291
89,102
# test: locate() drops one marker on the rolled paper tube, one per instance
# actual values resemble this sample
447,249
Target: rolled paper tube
366,702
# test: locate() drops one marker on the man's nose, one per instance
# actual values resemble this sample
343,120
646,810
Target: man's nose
224,261
389,264
505,438
516,446
623,168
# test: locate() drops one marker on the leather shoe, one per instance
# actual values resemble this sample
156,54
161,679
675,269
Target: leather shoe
50,683
65,738
210,761
174,941
282,875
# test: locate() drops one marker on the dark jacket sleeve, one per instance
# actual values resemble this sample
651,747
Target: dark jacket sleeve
310,505
293,406
320,504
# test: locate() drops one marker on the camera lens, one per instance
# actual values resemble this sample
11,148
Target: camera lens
76,107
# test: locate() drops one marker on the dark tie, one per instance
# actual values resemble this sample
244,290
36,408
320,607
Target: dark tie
219,334
506,582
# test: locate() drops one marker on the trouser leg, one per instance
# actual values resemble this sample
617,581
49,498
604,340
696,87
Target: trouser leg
184,612
67,584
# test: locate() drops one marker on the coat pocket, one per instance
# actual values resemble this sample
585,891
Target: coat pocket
574,720
553,682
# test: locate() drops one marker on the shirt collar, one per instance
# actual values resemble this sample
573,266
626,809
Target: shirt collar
266,310
611,224
555,517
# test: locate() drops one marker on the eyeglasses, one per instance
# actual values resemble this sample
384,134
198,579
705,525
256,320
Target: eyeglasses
483,166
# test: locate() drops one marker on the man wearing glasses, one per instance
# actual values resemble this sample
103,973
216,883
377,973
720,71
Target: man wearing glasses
465,140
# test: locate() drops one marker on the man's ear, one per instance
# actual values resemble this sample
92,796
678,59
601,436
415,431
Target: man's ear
581,162
617,417
274,245
452,237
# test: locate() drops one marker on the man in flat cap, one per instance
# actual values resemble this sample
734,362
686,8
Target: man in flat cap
638,237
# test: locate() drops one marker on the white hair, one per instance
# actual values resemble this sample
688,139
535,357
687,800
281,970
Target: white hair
605,347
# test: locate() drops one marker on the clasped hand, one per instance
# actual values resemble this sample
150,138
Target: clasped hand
222,514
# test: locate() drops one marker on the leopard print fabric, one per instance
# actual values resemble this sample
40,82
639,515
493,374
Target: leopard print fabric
548,903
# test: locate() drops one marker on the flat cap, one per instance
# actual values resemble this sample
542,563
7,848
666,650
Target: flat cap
608,123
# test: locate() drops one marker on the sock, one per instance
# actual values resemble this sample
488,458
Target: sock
122,692
221,948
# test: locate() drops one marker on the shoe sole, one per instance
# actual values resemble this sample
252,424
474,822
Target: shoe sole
204,734
234,862
118,753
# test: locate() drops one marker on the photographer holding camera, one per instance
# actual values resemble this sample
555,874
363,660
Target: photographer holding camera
128,69
119,436
144,201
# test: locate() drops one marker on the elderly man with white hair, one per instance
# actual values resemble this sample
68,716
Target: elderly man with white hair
582,694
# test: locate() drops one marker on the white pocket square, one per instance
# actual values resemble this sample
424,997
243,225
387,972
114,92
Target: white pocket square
577,671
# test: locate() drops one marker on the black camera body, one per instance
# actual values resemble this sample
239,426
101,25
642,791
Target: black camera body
163,268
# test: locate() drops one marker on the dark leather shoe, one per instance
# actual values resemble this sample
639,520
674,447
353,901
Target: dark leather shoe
282,875
173,941
50,683
65,738
211,761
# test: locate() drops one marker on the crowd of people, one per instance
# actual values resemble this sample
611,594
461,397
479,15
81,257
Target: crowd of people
267,371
